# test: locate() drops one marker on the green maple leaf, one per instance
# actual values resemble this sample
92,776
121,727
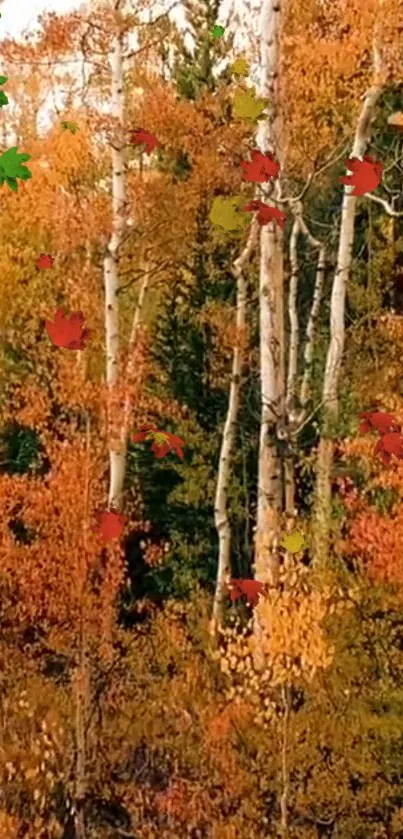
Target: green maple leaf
11,167
293,542
248,106
225,213
240,67
217,31
3,97
70,126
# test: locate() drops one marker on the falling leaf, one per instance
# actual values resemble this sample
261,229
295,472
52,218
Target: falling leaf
11,167
248,106
45,260
141,136
68,332
378,421
251,589
389,445
110,524
70,126
225,212
366,175
3,97
163,441
240,67
261,168
265,213
217,31
293,542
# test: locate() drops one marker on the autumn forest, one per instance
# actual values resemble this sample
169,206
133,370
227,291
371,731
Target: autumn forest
201,421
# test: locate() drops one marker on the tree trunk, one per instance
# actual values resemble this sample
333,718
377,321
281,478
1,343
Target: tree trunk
270,471
290,405
337,333
117,458
221,517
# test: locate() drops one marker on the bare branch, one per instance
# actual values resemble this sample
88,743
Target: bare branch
385,204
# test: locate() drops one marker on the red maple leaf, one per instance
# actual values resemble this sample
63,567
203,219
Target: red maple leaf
366,174
389,445
261,168
265,213
141,136
378,421
110,524
45,260
163,441
68,332
250,588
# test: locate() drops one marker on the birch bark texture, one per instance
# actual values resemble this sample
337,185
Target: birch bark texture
117,457
271,310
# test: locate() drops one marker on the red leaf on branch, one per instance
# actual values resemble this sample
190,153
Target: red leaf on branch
67,332
261,168
251,589
366,174
265,213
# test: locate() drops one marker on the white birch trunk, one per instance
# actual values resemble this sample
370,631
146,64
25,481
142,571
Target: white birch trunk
289,465
116,457
337,313
270,477
221,517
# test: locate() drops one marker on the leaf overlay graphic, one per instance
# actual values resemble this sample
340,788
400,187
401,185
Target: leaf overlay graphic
261,168
251,589
110,524
388,446
145,137
293,542
248,106
225,213
378,421
162,441
70,126
11,168
265,213
240,67
3,96
45,260
366,175
67,331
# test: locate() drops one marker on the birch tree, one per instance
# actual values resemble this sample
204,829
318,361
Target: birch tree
222,521
271,310
337,306
117,456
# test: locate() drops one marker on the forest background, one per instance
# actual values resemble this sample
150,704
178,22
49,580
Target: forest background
137,699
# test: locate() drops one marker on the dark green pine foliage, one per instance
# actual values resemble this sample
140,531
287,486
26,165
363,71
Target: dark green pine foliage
180,495
196,71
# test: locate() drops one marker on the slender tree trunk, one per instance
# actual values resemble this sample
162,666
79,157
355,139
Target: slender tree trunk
270,471
116,456
289,465
337,331
222,522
